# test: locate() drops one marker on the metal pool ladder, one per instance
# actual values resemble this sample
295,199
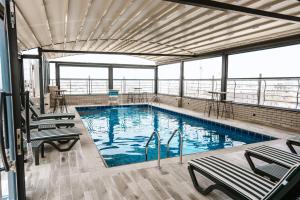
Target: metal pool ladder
158,147
181,143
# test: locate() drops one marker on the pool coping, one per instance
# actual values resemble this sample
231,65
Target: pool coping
174,110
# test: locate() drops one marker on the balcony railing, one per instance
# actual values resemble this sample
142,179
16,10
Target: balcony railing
84,86
199,88
100,86
168,86
269,91
134,85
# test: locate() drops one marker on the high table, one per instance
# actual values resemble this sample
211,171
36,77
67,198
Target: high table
215,98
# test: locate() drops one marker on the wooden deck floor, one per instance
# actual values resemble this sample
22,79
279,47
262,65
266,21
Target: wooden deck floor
81,174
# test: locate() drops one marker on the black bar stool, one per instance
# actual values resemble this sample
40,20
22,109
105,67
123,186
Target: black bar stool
227,108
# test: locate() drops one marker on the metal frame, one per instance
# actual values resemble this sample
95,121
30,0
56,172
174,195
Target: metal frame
115,53
15,85
181,83
57,75
110,78
1,11
224,75
216,5
81,64
156,80
41,82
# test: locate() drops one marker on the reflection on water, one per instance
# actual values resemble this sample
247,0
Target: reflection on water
121,133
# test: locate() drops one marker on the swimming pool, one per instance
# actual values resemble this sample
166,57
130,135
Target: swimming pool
121,133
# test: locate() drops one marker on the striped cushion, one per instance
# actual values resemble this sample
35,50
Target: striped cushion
54,133
56,115
35,124
243,181
288,182
277,155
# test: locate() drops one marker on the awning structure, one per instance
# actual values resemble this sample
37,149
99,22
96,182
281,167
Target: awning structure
149,26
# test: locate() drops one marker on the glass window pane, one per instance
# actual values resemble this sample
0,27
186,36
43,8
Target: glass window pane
171,71
202,76
279,82
130,80
168,79
84,80
203,69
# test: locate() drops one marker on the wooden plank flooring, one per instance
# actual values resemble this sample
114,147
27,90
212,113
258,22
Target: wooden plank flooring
81,174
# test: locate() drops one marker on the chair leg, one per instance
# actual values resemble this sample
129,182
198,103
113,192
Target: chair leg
196,184
36,156
232,110
290,145
43,150
63,149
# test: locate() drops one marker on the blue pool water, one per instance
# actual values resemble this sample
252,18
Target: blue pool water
121,132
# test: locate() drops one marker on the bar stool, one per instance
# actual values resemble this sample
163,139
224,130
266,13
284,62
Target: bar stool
227,108
60,101
130,97
144,97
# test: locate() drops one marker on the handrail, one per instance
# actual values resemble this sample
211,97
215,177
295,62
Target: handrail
158,147
181,144
2,143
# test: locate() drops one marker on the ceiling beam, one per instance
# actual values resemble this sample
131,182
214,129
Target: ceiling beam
239,9
84,64
114,53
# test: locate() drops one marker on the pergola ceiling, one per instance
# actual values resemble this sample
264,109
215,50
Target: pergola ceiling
147,26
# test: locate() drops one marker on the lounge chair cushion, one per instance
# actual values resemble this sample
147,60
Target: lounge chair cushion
279,156
244,182
39,116
288,182
58,123
54,133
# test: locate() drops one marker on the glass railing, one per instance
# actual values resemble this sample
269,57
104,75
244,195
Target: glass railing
269,91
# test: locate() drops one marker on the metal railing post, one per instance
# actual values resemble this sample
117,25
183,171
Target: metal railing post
180,145
297,95
70,86
259,89
158,147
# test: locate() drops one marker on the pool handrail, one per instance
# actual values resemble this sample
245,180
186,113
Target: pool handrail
158,147
181,143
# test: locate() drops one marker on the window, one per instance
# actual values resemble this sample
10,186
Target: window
168,79
279,84
128,80
202,76
84,80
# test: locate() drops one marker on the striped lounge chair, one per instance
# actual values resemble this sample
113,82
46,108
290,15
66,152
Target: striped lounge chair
278,161
239,183
54,137
37,116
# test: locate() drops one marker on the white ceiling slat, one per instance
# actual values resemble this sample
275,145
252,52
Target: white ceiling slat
130,18
152,16
201,19
22,17
189,39
82,19
48,24
150,26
